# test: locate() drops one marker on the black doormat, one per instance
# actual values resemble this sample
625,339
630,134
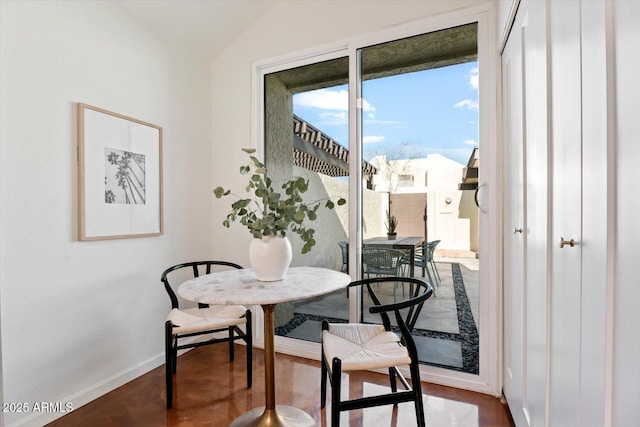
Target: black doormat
467,336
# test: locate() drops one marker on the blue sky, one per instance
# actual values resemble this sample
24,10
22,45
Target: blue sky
410,115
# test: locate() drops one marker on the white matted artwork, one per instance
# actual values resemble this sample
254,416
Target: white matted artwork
119,176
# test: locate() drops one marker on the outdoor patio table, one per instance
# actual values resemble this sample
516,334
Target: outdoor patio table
410,243
242,287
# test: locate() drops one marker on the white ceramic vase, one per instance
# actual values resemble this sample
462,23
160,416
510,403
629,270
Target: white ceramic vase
270,257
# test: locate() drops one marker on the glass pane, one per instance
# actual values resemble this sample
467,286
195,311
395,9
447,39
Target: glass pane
306,128
420,134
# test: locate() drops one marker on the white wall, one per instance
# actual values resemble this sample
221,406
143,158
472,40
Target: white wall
286,27
80,318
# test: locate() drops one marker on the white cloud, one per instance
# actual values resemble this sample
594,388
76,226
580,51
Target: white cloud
373,138
469,142
467,103
332,115
327,99
474,78
385,122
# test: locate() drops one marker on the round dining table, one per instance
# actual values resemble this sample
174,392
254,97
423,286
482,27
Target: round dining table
243,288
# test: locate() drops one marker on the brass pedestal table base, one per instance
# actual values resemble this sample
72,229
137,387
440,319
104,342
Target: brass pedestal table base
281,416
242,287
272,415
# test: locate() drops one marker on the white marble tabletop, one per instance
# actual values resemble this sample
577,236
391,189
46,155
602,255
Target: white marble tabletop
242,287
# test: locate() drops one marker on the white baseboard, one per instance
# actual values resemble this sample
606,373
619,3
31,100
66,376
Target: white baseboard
101,388
91,392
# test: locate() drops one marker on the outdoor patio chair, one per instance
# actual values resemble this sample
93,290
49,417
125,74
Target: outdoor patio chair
432,250
381,262
424,260
344,247
202,320
349,347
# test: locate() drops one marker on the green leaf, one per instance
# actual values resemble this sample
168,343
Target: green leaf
274,197
219,192
274,213
301,185
257,163
242,203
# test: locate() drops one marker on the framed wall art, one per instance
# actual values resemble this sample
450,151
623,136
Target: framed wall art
119,176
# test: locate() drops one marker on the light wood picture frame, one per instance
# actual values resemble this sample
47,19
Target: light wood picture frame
119,176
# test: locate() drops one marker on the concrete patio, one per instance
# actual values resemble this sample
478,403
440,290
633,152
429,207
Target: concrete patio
446,332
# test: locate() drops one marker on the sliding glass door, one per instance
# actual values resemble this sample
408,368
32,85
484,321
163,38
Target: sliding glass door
393,127
420,133
306,134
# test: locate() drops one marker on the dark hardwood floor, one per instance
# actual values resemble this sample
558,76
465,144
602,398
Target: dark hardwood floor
211,391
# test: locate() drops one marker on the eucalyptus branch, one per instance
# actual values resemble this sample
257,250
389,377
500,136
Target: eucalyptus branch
277,213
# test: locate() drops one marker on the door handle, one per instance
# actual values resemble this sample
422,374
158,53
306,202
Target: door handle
517,230
563,242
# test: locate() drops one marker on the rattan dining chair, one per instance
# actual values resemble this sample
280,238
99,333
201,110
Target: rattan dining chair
349,347
202,320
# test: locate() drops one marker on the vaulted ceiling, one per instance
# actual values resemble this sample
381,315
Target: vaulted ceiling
205,27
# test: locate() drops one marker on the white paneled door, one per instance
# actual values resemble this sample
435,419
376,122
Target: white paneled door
566,219
514,235
561,92
526,264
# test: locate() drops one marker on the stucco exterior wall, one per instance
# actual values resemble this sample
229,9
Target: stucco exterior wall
452,216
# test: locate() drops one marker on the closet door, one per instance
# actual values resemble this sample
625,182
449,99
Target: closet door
526,237
567,204
514,330
578,293
567,349
625,314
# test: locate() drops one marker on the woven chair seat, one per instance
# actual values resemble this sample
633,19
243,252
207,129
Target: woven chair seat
362,346
202,319
349,347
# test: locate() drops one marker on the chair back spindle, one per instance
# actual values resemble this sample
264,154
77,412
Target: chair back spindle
202,321
360,346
